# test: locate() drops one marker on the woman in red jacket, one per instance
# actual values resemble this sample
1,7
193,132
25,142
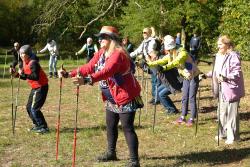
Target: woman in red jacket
112,67
38,81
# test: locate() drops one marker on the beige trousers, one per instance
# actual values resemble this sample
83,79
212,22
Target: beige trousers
229,119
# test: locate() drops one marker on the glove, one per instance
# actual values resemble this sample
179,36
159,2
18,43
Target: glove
12,70
63,73
159,68
79,80
88,80
76,53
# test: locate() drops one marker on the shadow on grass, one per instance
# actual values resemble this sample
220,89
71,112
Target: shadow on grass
93,128
245,116
71,130
208,109
212,158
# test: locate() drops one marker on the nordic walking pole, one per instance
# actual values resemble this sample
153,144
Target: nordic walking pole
74,144
77,59
58,116
12,103
15,111
4,64
139,118
156,98
198,110
147,92
219,115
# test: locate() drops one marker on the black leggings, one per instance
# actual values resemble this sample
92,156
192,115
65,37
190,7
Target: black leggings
127,121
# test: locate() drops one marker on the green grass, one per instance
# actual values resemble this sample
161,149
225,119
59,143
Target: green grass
169,145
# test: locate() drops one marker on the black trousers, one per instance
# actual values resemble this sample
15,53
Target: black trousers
127,122
35,102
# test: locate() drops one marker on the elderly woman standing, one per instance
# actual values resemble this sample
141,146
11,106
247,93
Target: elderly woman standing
112,67
228,86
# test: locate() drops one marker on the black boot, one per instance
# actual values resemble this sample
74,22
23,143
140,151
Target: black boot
55,75
107,156
133,163
50,74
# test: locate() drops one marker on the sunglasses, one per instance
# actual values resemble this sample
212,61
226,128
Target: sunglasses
144,32
104,37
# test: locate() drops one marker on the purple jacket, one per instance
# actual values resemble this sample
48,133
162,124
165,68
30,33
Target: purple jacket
233,88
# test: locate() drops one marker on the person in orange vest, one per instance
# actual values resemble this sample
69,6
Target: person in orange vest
38,81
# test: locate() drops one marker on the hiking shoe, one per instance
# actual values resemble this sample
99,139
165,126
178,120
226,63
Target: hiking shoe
34,128
180,121
133,163
190,122
229,142
55,75
172,112
42,130
232,141
107,156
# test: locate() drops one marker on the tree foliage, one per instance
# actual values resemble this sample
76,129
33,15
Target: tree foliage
235,22
67,20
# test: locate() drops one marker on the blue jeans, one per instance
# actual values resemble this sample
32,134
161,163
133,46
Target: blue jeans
52,63
35,102
189,91
154,82
163,92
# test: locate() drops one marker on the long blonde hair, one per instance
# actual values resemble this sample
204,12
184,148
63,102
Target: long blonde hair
114,44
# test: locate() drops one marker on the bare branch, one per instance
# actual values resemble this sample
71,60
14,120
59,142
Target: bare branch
85,27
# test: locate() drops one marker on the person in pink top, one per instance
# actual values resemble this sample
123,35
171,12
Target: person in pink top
228,86
112,67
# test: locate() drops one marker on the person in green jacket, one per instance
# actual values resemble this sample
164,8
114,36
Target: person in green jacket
187,68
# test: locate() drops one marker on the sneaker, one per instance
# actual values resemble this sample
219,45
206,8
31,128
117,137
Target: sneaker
180,121
34,128
55,75
172,112
42,130
232,141
133,163
229,142
190,122
50,74
107,156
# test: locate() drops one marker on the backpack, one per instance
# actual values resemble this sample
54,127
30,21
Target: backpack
171,79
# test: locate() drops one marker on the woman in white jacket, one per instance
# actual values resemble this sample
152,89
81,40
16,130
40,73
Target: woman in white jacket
53,51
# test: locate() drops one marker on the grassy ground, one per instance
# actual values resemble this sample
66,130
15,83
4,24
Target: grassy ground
169,145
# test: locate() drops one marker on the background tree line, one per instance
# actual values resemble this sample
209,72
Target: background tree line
70,22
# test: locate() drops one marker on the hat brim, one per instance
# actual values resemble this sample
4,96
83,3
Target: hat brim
111,35
170,47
